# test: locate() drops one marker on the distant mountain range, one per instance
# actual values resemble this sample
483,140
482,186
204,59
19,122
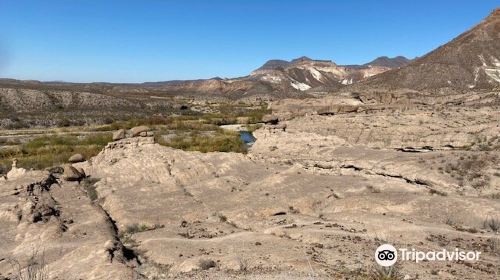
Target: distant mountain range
275,77
281,77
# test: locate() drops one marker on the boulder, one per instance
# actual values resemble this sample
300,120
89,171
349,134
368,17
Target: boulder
71,173
232,264
119,134
194,264
15,172
138,130
76,158
270,119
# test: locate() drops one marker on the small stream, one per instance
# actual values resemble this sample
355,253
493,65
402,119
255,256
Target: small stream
247,137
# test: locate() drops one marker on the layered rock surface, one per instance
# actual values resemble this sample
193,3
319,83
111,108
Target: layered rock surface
315,196
56,224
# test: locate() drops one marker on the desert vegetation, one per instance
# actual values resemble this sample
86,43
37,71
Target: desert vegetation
216,141
189,130
34,269
52,150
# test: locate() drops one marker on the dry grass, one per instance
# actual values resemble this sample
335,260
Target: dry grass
492,223
227,114
194,132
386,273
47,151
220,141
470,170
35,268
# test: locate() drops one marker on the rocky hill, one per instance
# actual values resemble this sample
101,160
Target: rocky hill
304,73
384,61
278,78
470,61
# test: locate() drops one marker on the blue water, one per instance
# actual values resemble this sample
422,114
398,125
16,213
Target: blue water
247,137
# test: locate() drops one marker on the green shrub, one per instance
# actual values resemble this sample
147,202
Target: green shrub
47,151
221,141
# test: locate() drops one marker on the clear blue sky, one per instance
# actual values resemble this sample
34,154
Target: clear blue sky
156,40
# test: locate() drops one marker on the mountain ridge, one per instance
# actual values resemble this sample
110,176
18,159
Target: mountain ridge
469,61
276,77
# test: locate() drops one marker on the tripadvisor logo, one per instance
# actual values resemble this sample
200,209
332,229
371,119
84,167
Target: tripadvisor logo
387,255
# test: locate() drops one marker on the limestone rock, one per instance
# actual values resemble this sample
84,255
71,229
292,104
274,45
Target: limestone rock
119,134
15,173
71,173
76,158
139,131
63,215
270,119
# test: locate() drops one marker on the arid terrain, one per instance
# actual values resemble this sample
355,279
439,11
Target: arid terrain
163,185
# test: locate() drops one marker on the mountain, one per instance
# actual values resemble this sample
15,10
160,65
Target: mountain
470,61
304,73
276,78
384,61
274,64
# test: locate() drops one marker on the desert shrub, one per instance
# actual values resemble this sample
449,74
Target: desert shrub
253,127
206,264
482,143
494,245
47,151
108,120
492,223
63,122
136,228
35,269
4,168
450,221
495,196
191,125
19,124
386,273
437,192
9,152
471,170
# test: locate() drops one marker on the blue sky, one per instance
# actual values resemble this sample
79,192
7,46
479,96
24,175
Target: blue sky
157,40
